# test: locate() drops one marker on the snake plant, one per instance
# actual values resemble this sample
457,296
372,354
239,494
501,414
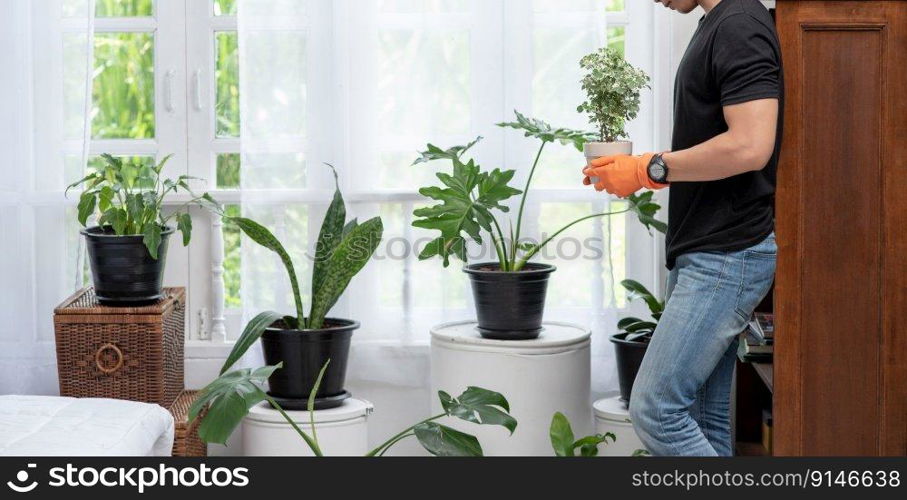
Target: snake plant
343,249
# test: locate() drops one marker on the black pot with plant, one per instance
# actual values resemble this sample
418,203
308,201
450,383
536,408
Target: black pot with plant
509,294
303,343
631,343
127,250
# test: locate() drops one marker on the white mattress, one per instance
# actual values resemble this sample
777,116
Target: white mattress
53,426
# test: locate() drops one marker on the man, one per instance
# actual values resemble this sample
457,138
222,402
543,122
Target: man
720,242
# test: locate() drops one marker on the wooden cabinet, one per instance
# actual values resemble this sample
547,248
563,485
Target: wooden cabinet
840,381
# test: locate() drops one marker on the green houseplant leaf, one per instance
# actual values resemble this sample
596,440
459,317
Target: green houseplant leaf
253,331
543,131
561,434
613,87
566,445
479,406
332,232
347,259
228,400
443,441
263,236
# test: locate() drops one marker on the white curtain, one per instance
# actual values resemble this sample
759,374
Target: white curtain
364,85
45,97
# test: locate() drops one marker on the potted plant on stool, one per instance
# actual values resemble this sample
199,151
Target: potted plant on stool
510,293
303,343
631,342
612,86
127,249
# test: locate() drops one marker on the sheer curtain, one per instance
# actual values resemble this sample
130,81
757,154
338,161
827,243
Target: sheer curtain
44,131
364,85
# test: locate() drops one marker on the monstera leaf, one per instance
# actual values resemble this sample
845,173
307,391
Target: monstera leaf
443,441
645,209
227,400
544,132
466,200
479,406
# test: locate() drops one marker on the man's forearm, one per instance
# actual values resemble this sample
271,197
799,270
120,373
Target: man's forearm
748,145
719,158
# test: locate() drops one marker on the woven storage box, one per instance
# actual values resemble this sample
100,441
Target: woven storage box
133,353
186,442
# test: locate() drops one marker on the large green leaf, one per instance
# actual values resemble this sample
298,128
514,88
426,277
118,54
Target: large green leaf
442,441
645,210
566,445
466,200
541,130
184,224
479,406
433,152
250,335
228,400
332,232
152,238
347,259
261,235
637,290
87,203
561,435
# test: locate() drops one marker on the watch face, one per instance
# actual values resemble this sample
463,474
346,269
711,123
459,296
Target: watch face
657,172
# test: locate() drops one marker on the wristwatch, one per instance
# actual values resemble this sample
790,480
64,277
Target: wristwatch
658,170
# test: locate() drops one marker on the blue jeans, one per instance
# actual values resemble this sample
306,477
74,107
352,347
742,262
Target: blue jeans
680,405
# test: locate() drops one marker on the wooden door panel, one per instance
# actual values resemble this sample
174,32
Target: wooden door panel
841,290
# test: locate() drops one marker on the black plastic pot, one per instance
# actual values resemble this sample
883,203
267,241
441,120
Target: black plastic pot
303,354
509,305
122,269
629,358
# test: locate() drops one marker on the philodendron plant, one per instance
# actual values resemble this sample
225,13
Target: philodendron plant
470,196
637,329
224,403
129,198
343,249
612,87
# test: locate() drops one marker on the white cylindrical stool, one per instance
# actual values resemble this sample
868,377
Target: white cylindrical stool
538,377
612,415
342,431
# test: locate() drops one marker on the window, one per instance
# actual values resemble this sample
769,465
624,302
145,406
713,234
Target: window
363,84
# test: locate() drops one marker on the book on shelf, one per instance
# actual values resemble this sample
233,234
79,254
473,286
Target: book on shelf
755,343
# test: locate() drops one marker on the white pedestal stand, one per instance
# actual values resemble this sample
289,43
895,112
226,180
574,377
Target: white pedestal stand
538,377
612,415
342,431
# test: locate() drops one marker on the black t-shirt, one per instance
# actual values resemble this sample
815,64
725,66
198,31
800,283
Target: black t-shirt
734,57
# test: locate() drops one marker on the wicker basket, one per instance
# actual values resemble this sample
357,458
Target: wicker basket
133,353
186,442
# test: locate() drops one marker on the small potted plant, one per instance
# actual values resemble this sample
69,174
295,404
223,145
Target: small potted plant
127,249
303,343
510,292
612,87
631,342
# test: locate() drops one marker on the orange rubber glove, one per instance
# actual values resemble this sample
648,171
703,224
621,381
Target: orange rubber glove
621,175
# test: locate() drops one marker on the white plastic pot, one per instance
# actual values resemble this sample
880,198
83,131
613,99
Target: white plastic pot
594,150
342,431
538,377
612,415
